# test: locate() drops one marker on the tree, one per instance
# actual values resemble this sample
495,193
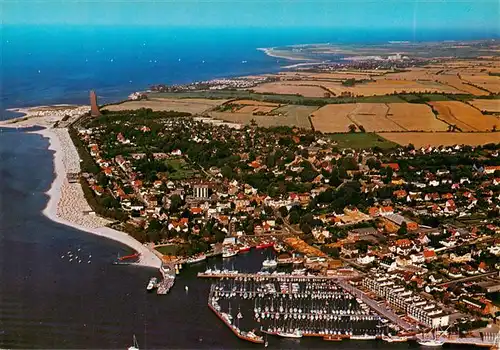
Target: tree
283,211
403,229
175,203
361,128
352,128
294,217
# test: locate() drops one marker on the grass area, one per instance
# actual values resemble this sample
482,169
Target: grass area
361,140
172,249
179,169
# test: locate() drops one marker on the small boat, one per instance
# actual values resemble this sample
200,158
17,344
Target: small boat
431,343
363,337
186,288
295,334
227,253
196,259
135,346
269,263
394,339
153,283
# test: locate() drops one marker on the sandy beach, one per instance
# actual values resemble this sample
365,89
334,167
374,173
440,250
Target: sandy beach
67,204
272,52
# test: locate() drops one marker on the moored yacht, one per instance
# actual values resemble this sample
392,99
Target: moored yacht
269,263
153,283
295,334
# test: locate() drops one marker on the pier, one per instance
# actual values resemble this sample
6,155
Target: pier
260,276
386,312
168,273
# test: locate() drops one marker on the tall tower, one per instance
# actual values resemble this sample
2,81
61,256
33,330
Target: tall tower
94,108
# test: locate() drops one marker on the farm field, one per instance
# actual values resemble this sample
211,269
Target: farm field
292,89
372,116
192,105
332,118
289,115
422,139
464,116
361,140
417,117
377,117
485,81
492,106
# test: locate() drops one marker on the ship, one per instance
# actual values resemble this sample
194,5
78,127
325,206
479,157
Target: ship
263,245
363,337
269,263
431,343
153,283
196,259
394,339
295,334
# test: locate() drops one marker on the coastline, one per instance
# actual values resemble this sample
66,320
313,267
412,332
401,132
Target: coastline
270,52
66,204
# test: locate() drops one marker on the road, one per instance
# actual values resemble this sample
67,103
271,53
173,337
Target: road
470,278
381,310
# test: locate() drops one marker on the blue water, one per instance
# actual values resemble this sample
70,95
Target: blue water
60,64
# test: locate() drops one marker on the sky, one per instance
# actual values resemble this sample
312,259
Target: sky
376,14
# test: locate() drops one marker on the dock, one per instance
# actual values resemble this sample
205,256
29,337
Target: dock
168,281
261,276
386,312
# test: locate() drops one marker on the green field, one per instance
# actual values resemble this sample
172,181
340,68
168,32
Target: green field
179,169
361,140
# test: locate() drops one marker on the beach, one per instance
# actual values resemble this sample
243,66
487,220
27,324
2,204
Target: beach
67,204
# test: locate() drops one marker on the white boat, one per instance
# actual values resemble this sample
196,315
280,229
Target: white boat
431,343
269,263
196,259
135,346
227,253
153,283
295,334
363,337
394,339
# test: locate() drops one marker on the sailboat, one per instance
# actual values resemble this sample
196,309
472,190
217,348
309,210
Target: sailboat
135,346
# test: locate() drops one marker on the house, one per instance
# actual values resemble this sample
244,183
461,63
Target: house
429,255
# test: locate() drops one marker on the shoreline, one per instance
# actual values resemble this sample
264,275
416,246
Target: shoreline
270,52
66,201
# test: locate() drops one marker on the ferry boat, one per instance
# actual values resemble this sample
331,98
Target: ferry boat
295,334
394,339
363,337
431,343
196,259
227,253
263,245
269,263
153,283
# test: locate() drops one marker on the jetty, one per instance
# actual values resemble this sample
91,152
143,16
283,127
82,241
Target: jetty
168,281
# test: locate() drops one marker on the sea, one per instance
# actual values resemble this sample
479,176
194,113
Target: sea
50,302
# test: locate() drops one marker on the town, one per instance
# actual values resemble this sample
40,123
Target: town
415,228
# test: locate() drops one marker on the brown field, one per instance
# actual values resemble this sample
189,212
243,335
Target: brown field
375,88
485,81
333,118
188,105
296,115
326,76
422,139
417,117
372,116
289,89
454,81
487,105
255,109
466,117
